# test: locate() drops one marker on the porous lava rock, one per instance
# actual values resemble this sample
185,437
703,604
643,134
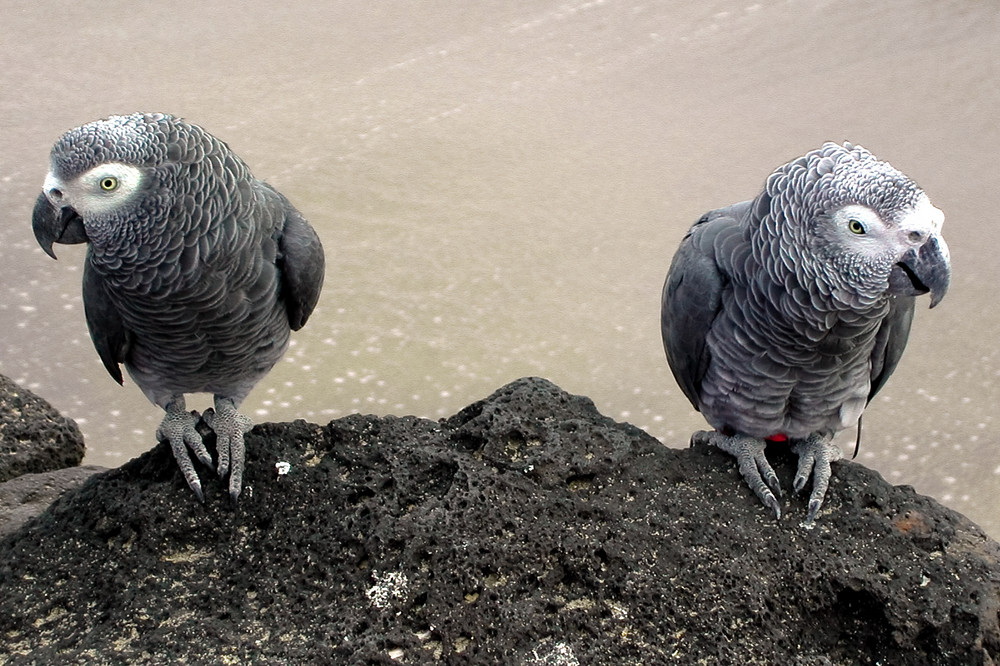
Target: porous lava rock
34,437
526,529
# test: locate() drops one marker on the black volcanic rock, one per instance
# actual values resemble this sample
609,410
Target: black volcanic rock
34,437
526,529
26,496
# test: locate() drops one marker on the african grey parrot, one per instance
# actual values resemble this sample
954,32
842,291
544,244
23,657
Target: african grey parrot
783,316
195,274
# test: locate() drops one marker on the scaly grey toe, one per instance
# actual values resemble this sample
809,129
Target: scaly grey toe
753,465
230,426
815,455
179,428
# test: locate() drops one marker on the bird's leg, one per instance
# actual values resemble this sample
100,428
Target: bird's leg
178,428
816,452
754,468
229,426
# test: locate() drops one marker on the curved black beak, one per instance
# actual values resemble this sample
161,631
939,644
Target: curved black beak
923,269
56,225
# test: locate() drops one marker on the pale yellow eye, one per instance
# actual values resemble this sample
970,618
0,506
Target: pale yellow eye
109,183
856,226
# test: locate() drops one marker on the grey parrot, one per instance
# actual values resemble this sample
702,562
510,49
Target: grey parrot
195,273
784,315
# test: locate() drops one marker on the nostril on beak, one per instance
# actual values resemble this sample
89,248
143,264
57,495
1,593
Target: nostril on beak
917,236
55,194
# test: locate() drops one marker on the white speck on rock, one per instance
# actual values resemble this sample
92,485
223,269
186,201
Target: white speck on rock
557,654
387,587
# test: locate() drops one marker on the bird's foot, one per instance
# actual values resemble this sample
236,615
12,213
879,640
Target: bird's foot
229,426
756,471
179,428
815,455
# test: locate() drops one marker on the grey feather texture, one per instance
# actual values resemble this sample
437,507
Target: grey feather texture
782,316
196,272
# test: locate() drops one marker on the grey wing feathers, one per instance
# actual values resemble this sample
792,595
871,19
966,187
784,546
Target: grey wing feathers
890,341
104,322
691,299
302,265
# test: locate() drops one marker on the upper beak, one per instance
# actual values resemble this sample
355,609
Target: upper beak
53,224
926,268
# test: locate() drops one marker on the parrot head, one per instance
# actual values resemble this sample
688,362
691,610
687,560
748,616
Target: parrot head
69,205
134,181
98,174
857,227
